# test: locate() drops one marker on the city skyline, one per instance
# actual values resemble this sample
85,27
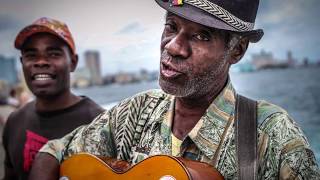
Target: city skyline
128,33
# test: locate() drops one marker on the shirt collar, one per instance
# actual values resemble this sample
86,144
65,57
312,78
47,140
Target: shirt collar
214,126
208,133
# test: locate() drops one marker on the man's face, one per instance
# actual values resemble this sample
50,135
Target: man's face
47,63
193,58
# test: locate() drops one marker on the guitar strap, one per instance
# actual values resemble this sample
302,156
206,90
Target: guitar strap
246,138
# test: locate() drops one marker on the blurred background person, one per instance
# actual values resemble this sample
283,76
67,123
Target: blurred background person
7,104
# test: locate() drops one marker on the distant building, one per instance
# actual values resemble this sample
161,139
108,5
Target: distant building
92,59
305,61
265,60
125,78
80,78
290,60
8,71
243,67
262,60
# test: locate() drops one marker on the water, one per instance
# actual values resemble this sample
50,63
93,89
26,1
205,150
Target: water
296,90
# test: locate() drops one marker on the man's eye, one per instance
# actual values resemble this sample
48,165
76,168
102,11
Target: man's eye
170,27
54,54
202,37
29,55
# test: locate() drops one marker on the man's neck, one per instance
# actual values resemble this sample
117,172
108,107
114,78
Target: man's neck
188,111
56,102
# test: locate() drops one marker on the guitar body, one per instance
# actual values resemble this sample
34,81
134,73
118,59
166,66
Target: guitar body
159,167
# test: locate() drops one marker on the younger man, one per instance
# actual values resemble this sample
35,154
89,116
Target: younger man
48,56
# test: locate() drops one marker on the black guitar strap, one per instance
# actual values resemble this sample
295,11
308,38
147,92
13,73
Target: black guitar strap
246,138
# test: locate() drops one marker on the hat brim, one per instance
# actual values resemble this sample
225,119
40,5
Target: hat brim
199,16
28,31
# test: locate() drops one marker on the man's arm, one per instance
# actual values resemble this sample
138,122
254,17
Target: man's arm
299,163
287,153
46,164
87,138
45,167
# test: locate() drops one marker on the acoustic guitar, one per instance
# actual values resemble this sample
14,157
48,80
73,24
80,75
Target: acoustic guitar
160,167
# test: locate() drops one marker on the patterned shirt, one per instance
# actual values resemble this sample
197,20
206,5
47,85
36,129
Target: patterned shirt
140,127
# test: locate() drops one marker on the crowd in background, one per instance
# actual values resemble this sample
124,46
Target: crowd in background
11,98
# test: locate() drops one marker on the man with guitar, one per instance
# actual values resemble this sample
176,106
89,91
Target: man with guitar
197,115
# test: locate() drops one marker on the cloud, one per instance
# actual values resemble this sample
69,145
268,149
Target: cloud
289,25
132,28
133,57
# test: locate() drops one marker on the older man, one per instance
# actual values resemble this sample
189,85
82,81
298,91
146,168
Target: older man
194,115
48,56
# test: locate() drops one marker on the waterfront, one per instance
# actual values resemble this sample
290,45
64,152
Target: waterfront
296,90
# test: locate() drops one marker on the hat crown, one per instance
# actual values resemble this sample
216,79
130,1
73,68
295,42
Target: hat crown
46,25
45,21
231,15
245,10
55,25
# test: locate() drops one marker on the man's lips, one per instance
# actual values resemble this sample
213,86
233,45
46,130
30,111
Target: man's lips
169,71
43,79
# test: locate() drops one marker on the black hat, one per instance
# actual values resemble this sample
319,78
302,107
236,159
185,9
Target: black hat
231,15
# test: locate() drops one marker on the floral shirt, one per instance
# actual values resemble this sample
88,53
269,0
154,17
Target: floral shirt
140,127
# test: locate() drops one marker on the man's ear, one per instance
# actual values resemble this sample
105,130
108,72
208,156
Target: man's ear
239,50
74,62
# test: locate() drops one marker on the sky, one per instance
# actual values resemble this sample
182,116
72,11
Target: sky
127,33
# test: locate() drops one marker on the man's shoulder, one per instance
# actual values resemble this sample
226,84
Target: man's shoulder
90,104
23,111
270,114
83,111
266,109
277,123
282,144
143,97
19,117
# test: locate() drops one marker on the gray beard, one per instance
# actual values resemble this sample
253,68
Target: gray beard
200,85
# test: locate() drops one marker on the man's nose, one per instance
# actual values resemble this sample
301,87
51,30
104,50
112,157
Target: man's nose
42,61
178,46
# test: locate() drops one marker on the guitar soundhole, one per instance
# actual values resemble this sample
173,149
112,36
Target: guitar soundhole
64,178
167,177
